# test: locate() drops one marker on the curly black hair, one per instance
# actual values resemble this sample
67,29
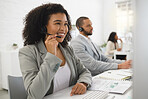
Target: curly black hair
112,37
38,18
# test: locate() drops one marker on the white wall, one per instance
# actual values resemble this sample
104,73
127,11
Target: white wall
109,18
141,51
12,13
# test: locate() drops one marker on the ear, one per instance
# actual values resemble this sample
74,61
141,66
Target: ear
81,29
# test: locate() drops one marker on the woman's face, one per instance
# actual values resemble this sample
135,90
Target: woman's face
58,26
116,37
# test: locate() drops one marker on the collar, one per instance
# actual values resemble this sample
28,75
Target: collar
88,39
41,47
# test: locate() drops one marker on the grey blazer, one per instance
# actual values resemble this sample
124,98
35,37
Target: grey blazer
38,68
95,62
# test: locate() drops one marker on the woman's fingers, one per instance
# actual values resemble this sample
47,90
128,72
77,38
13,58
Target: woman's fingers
51,44
79,88
73,90
50,37
81,91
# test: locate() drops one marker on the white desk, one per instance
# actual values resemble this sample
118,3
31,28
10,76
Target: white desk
65,94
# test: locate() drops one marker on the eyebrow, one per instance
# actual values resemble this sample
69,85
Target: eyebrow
58,21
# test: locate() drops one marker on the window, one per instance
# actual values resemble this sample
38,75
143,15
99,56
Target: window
124,19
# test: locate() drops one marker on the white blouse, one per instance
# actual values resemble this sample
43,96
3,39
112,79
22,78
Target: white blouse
61,78
110,48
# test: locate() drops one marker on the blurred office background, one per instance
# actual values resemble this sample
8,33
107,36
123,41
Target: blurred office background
106,16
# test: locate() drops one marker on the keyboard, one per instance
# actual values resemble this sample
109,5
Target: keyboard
96,95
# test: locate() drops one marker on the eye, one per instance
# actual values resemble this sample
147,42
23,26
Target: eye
57,23
66,24
88,25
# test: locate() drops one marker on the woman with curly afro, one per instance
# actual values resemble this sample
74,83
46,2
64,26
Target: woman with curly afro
48,64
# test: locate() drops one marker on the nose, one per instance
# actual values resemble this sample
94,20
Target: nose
91,27
63,27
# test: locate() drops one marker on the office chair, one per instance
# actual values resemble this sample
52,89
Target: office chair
16,88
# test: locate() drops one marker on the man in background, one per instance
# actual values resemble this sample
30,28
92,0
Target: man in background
89,54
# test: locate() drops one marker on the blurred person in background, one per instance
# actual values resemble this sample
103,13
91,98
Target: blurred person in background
112,45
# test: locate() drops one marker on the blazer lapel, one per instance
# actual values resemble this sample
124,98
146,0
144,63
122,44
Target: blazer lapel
42,50
67,56
88,45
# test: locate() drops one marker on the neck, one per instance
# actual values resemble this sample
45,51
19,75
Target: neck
84,34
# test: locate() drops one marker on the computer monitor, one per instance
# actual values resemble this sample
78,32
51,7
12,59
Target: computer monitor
140,62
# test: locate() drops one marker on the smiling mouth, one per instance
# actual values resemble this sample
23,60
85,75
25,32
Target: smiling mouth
59,35
62,34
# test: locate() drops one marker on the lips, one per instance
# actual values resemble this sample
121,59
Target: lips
61,34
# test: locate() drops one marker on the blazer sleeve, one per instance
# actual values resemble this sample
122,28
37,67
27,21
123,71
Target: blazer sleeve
37,79
91,63
83,72
109,60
